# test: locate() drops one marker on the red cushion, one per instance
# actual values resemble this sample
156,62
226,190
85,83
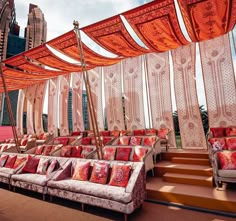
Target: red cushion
75,133
115,133
231,143
218,143
139,132
100,173
76,151
120,175
105,133
106,140
109,153
93,141
71,140
61,140
149,141
81,171
47,150
39,149
135,141
151,132
86,141
86,151
231,131
41,136
31,165
227,160
10,161
65,151
162,133
19,161
124,140
218,131
23,141
123,132
139,153
3,160
123,153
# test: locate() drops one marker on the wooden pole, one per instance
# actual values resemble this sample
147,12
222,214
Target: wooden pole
9,110
93,116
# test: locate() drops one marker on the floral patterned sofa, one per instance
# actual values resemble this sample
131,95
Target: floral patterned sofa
46,149
114,185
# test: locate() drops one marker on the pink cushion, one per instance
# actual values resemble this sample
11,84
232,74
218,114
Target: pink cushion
65,151
3,160
218,143
139,153
39,149
76,151
47,150
100,173
10,161
149,141
120,175
42,166
86,151
105,133
218,131
23,141
162,133
61,140
86,141
124,140
139,132
123,153
81,171
135,141
231,143
109,153
31,165
19,161
51,167
231,131
227,160
151,131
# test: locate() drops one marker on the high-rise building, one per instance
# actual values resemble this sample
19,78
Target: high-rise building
85,110
70,122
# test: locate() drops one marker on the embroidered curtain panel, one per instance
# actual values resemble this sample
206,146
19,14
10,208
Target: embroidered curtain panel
20,111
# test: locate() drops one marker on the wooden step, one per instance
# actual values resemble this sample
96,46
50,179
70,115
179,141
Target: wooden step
168,167
188,179
183,153
191,195
186,160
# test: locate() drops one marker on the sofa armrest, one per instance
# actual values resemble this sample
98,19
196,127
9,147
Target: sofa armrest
148,160
157,146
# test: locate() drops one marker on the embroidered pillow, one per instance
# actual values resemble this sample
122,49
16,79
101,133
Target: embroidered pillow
100,173
39,149
151,132
105,133
76,151
135,141
139,132
218,131
106,140
86,141
139,154
55,147
124,140
109,153
10,161
31,165
86,151
51,167
231,143
120,175
3,160
61,140
19,161
47,150
123,153
115,133
149,141
65,151
71,140
218,143
42,166
24,142
227,160
162,133
75,133
81,171
230,131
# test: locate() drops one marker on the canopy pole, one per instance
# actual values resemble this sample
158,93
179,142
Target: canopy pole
9,109
92,112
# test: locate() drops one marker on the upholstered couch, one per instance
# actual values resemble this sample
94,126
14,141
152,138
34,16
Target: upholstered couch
224,167
45,149
124,199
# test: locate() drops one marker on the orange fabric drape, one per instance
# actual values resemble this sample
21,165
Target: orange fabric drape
207,19
112,35
157,25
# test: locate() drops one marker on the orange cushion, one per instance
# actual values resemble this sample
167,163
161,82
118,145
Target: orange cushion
100,173
109,153
135,141
123,153
81,171
218,131
139,132
231,131
231,143
124,140
10,161
115,133
139,153
227,160
120,175
19,161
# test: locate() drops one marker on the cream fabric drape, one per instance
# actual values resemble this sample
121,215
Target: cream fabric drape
20,111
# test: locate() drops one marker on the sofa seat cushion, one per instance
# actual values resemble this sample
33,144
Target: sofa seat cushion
31,178
6,172
227,173
94,189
